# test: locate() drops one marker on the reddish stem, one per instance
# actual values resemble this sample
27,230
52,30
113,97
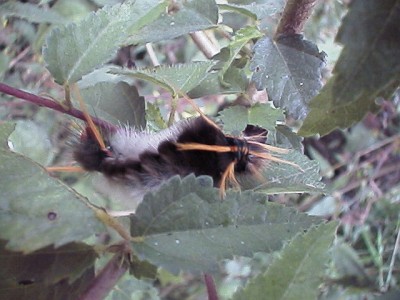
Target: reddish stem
294,17
106,279
6,89
211,288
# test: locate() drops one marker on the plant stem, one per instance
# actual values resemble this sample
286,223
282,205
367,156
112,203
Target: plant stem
211,288
9,90
294,17
152,55
204,44
106,279
392,260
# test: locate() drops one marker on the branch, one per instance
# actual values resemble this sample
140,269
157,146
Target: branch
211,289
204,44
294,17
6,89
106,279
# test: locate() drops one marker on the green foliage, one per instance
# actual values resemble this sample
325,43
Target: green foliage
256,10
179,220
290,69
191,16
368,67
76,49
129,288
30,12
212,84
36,209
32,140
302,177
103,97
176,79
45,266
48,230
236,118
298,272
242,37
26,289
349,268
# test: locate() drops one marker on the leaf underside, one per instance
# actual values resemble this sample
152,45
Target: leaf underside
117,102
368,67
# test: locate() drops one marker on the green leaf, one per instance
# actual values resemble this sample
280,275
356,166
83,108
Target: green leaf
234,78
325,115
28,290
141,268
37,210
177,78
106,2
32,140
349,267
76,49
117,102
299,270
102,74
290,69
130,288
47,265
154,117
236,118
299,175
368,67
32,13
73,10
276,178
241,38
256,10
186,226
286,138
191,15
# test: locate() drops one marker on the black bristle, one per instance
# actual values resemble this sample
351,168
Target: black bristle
88,153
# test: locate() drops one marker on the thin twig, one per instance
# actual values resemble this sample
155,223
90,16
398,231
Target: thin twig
358,183
211,288
6,89
205,45
391,140
106,279
152,55
18,57
392,260
294,17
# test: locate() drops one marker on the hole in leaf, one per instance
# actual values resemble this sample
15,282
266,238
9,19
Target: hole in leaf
51,216
26,282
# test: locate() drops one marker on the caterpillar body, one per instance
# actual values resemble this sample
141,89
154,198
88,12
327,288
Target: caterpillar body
134,162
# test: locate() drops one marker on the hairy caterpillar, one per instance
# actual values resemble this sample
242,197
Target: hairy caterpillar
134,162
